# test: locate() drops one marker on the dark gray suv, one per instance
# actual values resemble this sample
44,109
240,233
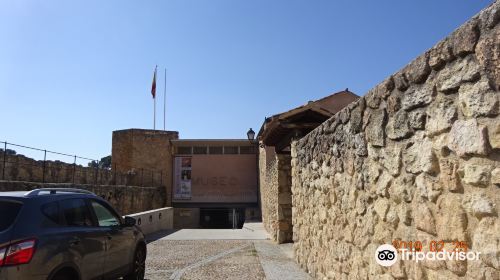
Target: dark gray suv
61,234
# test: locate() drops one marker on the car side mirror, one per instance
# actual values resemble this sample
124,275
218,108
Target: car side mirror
129,222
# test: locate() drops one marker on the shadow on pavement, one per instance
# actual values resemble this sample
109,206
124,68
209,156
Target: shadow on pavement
159,235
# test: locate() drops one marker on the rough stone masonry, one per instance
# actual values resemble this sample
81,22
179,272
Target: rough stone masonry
416,159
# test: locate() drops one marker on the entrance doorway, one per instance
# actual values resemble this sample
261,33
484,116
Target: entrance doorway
222,218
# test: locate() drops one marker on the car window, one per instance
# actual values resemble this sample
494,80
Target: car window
76,213
104,217
9,210
51,211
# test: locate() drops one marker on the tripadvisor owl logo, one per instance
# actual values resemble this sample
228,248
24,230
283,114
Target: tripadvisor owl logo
386,255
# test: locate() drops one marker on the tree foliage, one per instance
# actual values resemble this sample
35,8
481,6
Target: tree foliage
104,163
9,152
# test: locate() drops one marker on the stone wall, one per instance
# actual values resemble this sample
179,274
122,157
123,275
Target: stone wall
22,168
416,159
125,199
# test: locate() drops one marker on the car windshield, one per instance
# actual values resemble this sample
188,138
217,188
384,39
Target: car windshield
9,210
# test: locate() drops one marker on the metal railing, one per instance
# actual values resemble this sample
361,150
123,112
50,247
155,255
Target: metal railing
17,167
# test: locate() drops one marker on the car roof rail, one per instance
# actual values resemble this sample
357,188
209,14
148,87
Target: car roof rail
36,192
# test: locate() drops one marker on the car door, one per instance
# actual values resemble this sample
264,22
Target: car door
120,240
85,241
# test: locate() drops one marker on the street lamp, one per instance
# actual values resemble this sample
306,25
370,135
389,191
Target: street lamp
251,138
251,134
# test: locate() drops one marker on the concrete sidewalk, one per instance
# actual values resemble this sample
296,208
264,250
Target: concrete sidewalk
276,262
250,231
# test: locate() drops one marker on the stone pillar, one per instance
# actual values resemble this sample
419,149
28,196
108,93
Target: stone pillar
268,189
285,227
144,158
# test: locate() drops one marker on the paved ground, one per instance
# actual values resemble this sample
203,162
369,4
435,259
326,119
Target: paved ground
220,254
250,231
277,262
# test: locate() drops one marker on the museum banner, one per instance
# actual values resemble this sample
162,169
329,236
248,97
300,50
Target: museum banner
182,178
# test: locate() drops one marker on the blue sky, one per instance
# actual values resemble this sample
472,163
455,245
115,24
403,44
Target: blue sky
71,72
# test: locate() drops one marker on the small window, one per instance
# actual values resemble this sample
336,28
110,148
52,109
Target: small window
76,213
199,150
247,150
184,150
51,211
104,217
214,150
231,150
9,211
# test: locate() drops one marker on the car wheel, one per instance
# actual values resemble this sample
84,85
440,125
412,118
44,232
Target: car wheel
64,275
139,267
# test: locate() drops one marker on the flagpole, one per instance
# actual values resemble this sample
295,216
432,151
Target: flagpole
154,113
154,100
164,99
